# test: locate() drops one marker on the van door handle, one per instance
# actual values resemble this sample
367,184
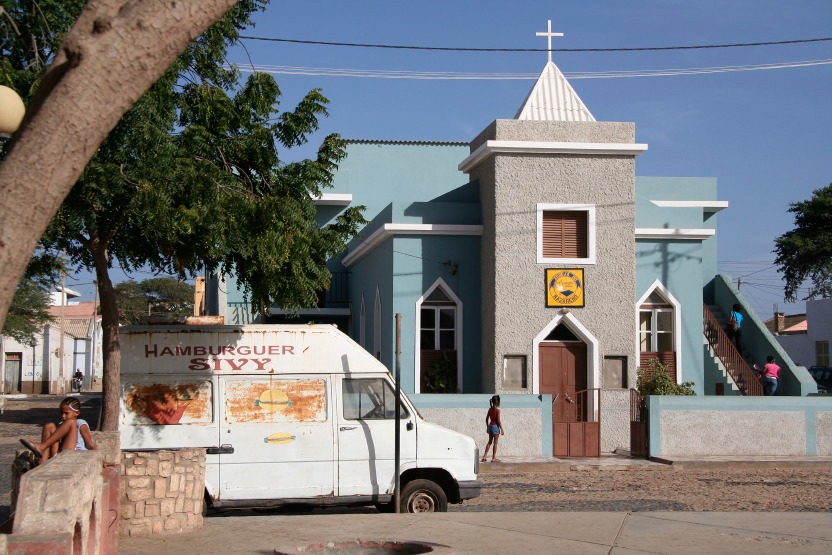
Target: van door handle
345,428
225,449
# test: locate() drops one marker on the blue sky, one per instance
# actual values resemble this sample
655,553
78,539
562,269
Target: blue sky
765,135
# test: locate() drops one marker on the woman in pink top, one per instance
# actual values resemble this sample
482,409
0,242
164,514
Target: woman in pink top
771,376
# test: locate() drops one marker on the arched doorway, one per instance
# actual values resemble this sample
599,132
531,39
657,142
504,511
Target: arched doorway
564,374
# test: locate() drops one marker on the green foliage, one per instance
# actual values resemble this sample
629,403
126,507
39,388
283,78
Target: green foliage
441,377
28,312
30,33
191,178
656,380
156,296
805,253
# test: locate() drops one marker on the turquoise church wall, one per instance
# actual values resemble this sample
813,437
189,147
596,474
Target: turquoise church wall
377,172
426,188
683,266
412,278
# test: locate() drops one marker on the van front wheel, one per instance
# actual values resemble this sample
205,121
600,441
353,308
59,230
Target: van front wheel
423,496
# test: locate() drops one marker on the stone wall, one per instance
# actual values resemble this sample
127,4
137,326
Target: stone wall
162,491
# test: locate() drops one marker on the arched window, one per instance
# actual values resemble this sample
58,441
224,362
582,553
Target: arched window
439,340
362,325
377,327
659,323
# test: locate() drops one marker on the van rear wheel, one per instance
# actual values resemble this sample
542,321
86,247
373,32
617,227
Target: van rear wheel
423,496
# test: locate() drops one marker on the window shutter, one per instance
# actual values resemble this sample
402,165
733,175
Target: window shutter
565,234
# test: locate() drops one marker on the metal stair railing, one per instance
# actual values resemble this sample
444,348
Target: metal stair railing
737,367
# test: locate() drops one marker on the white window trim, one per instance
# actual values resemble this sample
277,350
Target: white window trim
377,326
593,368
417,371
677,323
590,231
362,325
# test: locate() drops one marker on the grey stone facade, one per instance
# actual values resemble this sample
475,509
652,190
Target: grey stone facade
511,186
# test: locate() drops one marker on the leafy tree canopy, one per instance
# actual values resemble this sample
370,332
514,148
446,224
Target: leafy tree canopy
154,296
191,179
805,253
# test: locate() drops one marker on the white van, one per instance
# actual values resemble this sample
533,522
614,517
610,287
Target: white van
288,414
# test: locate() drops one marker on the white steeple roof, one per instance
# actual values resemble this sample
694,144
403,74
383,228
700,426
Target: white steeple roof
553,99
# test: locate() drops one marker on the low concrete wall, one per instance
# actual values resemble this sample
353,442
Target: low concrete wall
774,426
162,491
527,420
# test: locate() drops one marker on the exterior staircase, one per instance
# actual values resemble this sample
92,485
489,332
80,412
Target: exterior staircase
739,373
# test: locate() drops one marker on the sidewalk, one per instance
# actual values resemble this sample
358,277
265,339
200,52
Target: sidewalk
623,462
578,533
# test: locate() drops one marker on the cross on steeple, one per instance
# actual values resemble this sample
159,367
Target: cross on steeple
549,34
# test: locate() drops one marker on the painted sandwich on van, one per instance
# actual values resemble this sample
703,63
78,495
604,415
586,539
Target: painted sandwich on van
288,414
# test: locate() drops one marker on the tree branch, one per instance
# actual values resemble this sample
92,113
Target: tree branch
113,54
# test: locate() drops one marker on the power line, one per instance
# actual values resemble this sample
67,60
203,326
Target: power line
456,49
456,75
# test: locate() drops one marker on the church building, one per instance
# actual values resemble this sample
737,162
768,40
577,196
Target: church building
532,263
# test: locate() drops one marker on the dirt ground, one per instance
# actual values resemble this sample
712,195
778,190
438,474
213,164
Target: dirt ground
655,490
665,489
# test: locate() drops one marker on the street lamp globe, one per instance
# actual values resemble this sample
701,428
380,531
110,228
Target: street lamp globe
11,111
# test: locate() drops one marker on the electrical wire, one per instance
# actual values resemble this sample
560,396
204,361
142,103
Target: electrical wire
486,76
465,49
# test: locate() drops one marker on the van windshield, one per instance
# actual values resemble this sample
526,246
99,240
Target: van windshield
370,399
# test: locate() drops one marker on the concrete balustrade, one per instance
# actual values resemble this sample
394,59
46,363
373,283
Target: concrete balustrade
65,506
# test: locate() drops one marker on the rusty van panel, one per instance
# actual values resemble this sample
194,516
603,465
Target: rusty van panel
275,401
172,402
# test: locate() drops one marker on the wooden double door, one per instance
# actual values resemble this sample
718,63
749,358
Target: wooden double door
576,426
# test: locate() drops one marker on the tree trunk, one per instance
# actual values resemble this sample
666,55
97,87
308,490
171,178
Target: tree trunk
111,56
111,390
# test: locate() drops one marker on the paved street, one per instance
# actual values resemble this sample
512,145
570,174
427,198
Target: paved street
763,507
508,488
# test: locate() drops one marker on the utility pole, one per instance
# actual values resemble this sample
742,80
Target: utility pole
61,384
739,284
398,434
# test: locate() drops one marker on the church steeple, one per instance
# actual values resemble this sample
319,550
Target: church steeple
552,98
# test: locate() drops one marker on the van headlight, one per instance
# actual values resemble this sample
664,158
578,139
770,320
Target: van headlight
476,460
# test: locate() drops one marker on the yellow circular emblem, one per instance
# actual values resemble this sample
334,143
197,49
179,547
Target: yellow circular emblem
565,288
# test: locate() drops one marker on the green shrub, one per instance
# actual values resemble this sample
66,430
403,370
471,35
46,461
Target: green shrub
441,377
656,380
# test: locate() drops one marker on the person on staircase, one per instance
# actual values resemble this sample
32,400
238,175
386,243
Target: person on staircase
771,376
734,327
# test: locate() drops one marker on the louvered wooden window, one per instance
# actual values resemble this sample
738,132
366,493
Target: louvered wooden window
565,234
